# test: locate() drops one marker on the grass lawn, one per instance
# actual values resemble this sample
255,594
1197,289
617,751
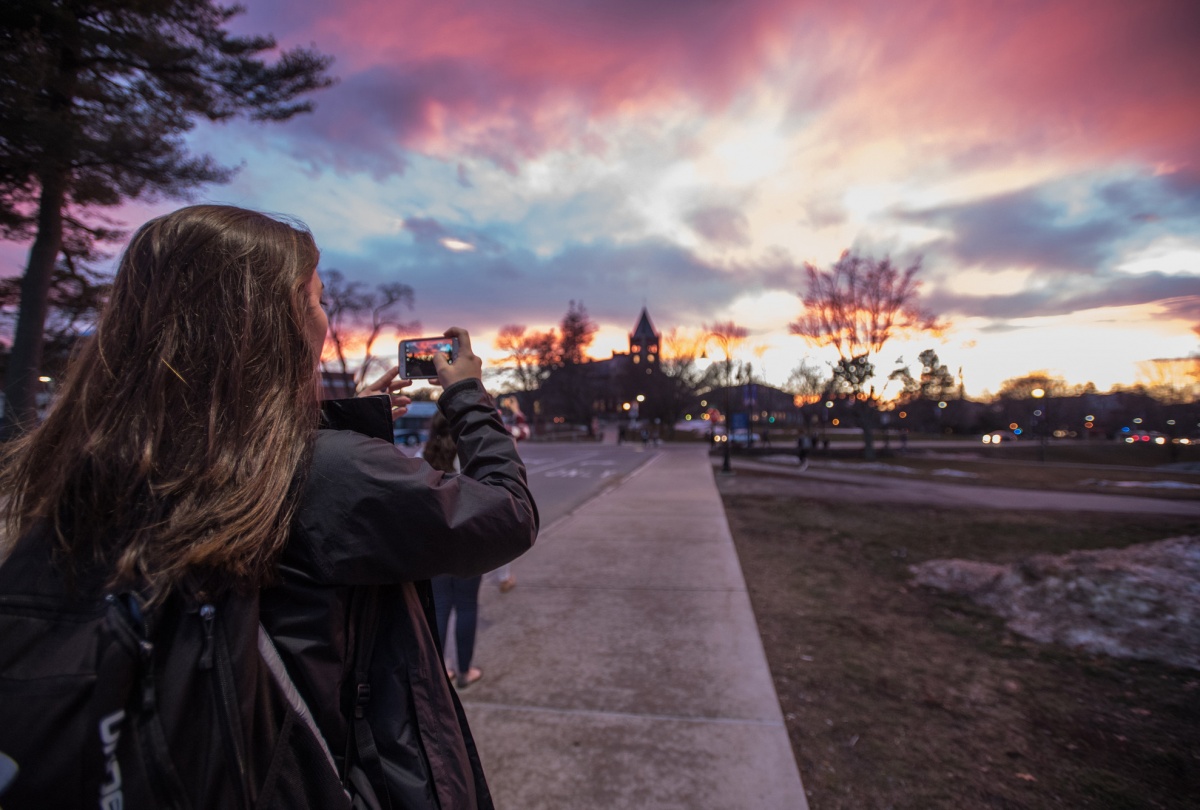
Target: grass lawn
1108,468
1096,452
900,697
1063,476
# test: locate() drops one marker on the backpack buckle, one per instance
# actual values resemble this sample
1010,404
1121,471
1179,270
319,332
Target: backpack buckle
361,699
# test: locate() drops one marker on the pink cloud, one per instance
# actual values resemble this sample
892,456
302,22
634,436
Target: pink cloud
1093,79
509,80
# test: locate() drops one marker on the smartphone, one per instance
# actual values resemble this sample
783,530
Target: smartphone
416,356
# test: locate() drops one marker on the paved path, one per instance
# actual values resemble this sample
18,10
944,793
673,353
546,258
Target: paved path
842,485
625,670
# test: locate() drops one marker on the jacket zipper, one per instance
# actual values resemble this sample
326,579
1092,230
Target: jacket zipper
226,700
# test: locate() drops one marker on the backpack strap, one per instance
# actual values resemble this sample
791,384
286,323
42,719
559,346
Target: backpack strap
279,674
126,665
111,706
363,751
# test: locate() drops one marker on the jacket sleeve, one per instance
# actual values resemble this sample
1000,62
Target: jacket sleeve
372,515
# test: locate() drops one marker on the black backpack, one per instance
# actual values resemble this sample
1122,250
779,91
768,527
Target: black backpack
78,708
83,717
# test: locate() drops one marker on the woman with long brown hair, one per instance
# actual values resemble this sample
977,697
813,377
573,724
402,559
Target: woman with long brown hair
176,450
187,460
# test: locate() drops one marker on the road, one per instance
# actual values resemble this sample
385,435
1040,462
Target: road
565,476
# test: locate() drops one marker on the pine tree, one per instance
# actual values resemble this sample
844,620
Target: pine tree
95,99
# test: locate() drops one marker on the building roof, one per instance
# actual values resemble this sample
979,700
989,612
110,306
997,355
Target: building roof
644,329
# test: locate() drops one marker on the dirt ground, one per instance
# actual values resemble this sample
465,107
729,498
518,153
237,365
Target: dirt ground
901,697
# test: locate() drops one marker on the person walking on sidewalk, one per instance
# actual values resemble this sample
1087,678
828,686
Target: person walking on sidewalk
451,594
504,578
803,446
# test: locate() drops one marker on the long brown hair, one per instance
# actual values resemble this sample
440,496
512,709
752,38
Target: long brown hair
177,446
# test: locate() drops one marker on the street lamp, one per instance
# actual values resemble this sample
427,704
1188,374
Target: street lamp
726,467
1038,394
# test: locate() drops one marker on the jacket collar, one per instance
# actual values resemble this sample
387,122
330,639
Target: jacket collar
371,416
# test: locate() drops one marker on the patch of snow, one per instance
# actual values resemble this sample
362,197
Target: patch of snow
866,466
1146,484
955,473
780,459
1137,602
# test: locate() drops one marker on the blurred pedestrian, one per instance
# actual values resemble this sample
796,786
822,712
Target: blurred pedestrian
457,596
504,578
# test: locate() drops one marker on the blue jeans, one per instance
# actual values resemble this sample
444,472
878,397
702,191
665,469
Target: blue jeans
461,596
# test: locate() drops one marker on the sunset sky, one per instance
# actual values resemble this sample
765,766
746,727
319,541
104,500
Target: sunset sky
505,158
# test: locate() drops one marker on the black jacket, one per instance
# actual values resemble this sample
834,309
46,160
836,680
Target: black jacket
372,518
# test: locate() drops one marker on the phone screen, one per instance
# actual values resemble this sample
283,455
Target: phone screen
416,356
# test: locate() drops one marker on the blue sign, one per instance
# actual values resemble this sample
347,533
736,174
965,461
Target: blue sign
740,421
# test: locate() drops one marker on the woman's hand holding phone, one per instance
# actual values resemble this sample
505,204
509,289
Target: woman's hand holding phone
388,384
464,367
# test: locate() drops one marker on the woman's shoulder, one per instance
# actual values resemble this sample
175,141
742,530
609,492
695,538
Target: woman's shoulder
336,444
346,457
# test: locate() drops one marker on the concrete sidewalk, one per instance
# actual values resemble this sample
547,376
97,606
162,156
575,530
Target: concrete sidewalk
625,670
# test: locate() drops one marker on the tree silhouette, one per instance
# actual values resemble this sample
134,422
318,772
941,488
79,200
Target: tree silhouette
935,382
529,356
570,388
859,304
576,332
807,382
95,97
76,296
856,306
1022,387
357,318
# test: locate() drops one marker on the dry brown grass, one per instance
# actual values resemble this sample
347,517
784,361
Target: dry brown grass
897,697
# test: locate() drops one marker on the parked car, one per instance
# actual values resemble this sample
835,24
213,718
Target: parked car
413,428
518,428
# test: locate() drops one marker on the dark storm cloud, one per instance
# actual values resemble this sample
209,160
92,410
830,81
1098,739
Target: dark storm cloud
485,290
1074,234
1185,307
424,229
720,225
1065,227
1071,295
1021,229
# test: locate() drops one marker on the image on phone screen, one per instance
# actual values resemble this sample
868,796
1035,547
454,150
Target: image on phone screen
416,356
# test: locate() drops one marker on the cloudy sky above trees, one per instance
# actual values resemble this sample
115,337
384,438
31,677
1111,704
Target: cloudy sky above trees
504,158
